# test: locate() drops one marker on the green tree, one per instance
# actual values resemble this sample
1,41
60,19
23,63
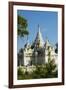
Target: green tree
22,26
56,49
20,73
22,31
50,69
45,71
20,55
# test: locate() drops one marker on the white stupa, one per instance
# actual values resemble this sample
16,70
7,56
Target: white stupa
38,53
39,40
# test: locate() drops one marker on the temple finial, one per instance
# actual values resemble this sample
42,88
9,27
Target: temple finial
38,28
38,25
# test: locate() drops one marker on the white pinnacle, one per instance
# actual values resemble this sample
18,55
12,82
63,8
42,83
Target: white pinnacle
39,38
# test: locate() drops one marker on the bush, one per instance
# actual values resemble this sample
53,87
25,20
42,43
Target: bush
20,71
47,70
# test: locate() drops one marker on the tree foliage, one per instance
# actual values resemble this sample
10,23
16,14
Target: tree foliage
47,70
22,26
56,50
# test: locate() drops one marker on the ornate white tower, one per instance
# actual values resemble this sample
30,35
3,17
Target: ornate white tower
39,40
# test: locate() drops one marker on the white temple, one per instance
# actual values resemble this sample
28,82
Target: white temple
39,52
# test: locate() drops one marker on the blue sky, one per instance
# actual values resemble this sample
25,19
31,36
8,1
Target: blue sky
48,22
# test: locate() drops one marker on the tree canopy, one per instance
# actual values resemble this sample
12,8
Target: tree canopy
22,26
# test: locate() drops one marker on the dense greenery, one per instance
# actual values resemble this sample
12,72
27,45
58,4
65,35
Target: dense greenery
22,26
47,70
